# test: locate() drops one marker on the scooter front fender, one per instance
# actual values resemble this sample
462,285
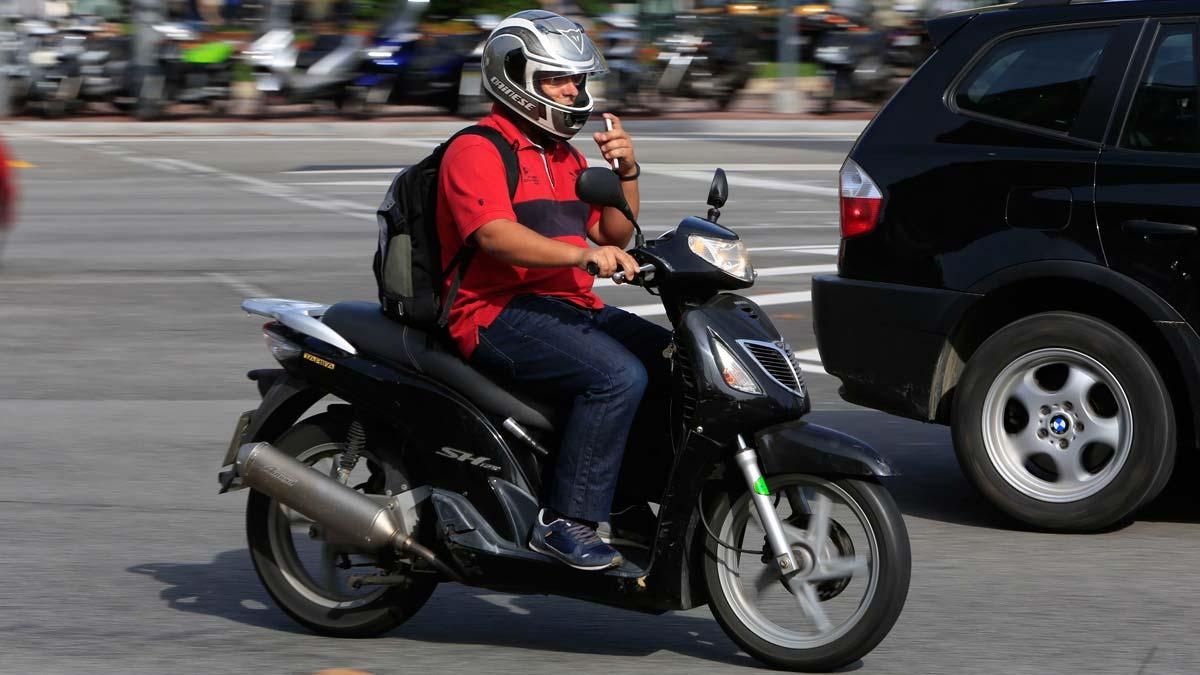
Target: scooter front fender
802,447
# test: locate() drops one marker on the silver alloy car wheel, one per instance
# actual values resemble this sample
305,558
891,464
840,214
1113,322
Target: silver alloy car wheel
1057,425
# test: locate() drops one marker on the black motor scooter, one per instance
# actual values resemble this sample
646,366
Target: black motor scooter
430,472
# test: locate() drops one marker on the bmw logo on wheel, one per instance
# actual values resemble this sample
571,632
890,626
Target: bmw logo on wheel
1058,424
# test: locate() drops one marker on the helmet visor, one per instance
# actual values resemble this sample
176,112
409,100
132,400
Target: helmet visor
559,78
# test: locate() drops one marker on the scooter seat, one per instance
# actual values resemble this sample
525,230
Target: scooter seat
366,327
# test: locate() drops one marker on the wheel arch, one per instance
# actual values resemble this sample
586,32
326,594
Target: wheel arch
1084,288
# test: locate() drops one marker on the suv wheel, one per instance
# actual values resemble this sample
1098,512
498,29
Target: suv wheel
1064,423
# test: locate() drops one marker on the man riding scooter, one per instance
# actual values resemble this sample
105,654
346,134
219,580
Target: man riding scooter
525,311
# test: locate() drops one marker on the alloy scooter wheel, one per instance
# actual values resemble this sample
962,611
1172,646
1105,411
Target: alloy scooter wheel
852,546
310,579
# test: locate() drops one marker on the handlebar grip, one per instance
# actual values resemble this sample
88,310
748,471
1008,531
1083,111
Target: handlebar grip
619,276
593,269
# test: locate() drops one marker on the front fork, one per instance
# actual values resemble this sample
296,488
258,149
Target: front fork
747,460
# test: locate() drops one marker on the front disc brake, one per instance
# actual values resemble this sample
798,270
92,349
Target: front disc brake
839,537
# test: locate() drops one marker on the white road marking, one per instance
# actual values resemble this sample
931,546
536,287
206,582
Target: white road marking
94,140
347,183
788,226
108,279
810,361
796,269
817,250
743,181
800,248
423,144
764,300
253,185
390,170
152,162
504,602
247,289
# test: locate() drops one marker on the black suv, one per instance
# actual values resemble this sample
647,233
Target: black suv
1019,253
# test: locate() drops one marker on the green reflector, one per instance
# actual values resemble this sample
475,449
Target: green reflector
760,486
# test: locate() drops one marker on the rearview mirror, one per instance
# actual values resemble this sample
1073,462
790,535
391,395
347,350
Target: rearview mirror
601,187
718,192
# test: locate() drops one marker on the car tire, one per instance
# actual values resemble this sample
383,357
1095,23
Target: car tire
1047,460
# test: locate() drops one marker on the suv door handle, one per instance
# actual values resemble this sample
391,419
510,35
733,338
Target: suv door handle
1157,230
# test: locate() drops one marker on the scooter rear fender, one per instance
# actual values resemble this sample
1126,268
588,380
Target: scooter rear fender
285,398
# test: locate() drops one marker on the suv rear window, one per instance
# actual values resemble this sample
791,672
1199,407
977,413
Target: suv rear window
1163,116
1039,79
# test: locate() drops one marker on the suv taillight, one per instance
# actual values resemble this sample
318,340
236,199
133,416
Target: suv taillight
861,200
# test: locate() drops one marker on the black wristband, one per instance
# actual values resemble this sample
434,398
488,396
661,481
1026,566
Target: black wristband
634,176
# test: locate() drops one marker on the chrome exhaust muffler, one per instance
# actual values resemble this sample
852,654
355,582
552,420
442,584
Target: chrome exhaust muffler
355,518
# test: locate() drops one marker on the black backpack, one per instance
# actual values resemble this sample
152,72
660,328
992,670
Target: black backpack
408,262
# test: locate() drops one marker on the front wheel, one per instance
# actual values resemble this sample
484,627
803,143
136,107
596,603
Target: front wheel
852,548
310,579
1063,422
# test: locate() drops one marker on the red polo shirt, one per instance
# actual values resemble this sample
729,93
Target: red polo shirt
473,190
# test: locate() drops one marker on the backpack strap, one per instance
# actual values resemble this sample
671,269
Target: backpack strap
512,170
578,157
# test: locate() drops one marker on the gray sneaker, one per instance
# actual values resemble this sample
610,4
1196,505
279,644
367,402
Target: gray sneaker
573,543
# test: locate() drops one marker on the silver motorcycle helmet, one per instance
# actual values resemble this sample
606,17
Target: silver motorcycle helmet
534,45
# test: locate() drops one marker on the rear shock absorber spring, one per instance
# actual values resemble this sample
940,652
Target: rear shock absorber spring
356,441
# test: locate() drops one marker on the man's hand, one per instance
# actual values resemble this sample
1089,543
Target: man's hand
608,259
617,144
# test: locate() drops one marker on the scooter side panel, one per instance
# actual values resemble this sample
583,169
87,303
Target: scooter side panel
447,442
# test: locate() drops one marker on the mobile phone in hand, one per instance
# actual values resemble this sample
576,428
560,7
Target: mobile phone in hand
608,126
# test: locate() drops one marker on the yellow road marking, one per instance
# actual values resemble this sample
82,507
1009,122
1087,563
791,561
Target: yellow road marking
20,164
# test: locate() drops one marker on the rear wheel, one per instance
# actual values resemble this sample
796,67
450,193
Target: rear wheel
1064,423
852,547
310,579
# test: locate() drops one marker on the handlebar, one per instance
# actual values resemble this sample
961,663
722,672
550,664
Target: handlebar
594,269
619,277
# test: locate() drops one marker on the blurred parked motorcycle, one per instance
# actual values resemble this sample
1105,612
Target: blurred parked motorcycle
472,102
908,43
402,66
629,85
196,73
285,73
853,60
705,58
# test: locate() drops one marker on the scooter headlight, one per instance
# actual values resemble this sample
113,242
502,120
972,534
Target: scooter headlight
732,371
731,257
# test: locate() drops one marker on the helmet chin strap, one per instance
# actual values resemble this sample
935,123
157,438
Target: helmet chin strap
535,133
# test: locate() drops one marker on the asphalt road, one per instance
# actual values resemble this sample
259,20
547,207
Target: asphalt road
125,351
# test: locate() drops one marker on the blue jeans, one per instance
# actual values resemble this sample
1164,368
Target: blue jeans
601,363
